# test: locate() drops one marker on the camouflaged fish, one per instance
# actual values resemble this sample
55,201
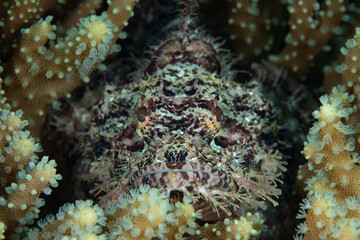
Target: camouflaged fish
184,125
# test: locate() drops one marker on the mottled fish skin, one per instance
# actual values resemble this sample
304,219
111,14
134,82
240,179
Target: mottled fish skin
184,125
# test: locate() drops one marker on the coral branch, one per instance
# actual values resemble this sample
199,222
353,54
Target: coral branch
82,10
147,213
250,25
17,14
332,205
311,27
350,68
37,76
22,177
23,196
80,221
247,227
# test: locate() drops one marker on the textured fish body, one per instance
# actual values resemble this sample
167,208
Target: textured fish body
185,126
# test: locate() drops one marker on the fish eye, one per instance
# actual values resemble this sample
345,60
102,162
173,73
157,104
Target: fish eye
141,113
221,141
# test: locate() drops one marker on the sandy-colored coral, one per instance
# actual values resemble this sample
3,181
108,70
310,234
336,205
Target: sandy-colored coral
350,67
83,9
250,25
16,14
246,227
37,75
333,191
257,26
81,220
23,177
148,214
18,148
311,27
332,205
142,215
184,220
332,148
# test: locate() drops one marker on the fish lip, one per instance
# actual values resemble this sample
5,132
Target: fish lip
203,175
165,167
215,186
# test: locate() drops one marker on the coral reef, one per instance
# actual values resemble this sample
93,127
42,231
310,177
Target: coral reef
332,206
194,143
80,221
247,227
142,215
36,75
23,176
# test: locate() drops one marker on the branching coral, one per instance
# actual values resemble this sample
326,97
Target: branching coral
250,25
312,24
16,14
45,67
80,221
332,206
247,227
37,75
184,220
350,68
311,27
23,177
147,213
142,215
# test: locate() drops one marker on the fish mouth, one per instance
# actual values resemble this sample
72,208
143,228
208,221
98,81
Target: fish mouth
184,176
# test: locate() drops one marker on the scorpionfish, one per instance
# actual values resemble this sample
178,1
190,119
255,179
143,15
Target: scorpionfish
186,126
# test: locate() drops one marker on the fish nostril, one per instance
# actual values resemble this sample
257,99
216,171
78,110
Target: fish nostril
191,92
